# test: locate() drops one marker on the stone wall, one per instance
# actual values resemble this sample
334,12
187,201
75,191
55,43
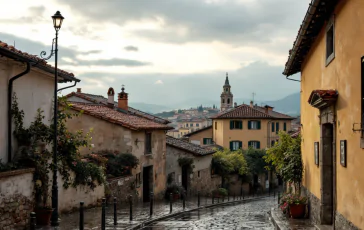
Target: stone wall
16,198
314,212
69,199
205,183
121,188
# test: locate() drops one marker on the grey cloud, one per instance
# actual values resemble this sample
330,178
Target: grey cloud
229,22
36,47
131,48
112,62
35,15
181,90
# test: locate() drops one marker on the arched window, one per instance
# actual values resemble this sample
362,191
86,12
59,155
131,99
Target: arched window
223,100
228,100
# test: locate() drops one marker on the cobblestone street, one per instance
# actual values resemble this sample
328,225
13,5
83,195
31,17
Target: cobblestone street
249,215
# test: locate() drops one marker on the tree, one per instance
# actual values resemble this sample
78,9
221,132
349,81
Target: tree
285,158
224,162
255,160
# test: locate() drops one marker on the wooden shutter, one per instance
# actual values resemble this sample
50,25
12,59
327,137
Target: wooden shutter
272,126
284,126
231,124
258,144
204,141
258,124
240,124
231,145
277,127
249,124
249,143
240,145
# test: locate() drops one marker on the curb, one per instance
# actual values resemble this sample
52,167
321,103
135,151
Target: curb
147,222
274,220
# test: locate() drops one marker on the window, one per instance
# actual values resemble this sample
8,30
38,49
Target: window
228,100
215,125
272,143
277,127
198,173
207,141
330,41
226,89
223,101
272,127
236,124
197,125
191,125
138,180
284,126
235,145
186,125
254,144
148,143
253,124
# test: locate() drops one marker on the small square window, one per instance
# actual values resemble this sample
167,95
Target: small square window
198,174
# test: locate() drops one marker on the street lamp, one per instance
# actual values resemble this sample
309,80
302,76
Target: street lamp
57,23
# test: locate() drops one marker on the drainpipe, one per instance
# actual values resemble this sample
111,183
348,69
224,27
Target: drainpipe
67,87
268,135
10,92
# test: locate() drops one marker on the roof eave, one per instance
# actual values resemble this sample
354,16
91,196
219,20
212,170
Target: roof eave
18,57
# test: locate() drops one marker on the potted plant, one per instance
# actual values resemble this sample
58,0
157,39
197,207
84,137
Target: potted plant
294,204
176,191
220,192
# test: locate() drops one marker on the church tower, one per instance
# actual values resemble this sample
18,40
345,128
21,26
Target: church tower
226,96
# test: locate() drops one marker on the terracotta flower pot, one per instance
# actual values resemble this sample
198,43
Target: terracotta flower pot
297,210
43,216
175,196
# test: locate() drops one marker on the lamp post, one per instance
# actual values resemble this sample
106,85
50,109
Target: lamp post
57,23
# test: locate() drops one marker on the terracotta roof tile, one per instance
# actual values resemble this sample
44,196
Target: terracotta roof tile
190,147
102,100
246,111
197,131
129,121
7,51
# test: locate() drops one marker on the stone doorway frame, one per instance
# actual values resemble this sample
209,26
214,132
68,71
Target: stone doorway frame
325,101
327,164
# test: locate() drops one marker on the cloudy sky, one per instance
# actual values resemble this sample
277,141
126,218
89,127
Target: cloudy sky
164,51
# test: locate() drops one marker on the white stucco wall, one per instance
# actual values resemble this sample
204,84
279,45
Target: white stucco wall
34,90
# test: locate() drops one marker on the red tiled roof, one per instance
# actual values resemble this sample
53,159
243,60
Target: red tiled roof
246,111
295,134
102,100
322,98
111,115
11,52
197,131
187,146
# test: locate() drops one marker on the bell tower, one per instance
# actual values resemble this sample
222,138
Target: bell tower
226,96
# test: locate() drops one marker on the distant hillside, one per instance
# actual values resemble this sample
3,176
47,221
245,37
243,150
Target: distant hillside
288,105
149,108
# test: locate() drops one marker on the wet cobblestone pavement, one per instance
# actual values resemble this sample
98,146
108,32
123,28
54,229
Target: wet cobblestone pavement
249,215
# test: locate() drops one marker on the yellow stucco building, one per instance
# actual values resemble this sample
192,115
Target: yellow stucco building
328,52
249,125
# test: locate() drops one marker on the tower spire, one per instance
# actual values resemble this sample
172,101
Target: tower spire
227,79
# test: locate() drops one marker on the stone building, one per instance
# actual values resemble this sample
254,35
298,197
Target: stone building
200,179
329,55
116,126
201,137
34,89
226,96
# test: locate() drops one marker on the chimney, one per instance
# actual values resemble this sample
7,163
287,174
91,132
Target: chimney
235,104
78,90
251,104
123,100
268,108
110,97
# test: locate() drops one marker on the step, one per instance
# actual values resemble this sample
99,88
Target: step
324,227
